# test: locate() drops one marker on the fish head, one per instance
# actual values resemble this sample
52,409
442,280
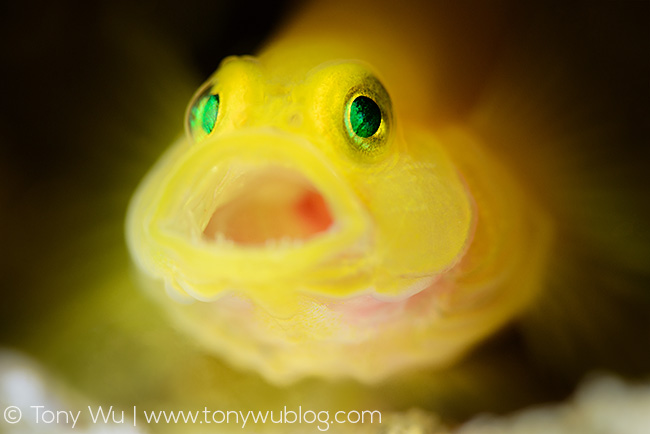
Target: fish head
297,207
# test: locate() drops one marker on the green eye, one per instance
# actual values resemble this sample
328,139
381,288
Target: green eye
210,111
365,116
203,115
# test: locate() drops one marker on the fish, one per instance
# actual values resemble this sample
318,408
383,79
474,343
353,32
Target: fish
309,224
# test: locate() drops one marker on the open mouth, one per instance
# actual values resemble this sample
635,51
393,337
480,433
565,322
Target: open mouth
260,212
273,206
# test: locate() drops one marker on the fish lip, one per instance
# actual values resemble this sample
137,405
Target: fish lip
177,220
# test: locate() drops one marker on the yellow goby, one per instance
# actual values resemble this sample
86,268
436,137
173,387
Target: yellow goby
317,219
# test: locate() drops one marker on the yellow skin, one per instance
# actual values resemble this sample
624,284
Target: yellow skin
428,244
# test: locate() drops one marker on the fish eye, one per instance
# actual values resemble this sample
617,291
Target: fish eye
366,121
203,114
365,116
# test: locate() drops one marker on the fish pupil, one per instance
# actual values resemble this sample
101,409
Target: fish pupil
365,116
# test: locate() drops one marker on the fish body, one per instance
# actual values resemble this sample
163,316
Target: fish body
316,219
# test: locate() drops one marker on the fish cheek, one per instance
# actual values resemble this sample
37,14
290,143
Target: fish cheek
424,214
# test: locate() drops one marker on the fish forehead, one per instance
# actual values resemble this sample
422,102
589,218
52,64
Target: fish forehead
292,85
265,97
311,101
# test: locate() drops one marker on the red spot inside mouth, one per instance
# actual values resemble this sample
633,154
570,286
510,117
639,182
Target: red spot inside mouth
271,205
312,209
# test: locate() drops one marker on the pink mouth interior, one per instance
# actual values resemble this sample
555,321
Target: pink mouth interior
275,204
